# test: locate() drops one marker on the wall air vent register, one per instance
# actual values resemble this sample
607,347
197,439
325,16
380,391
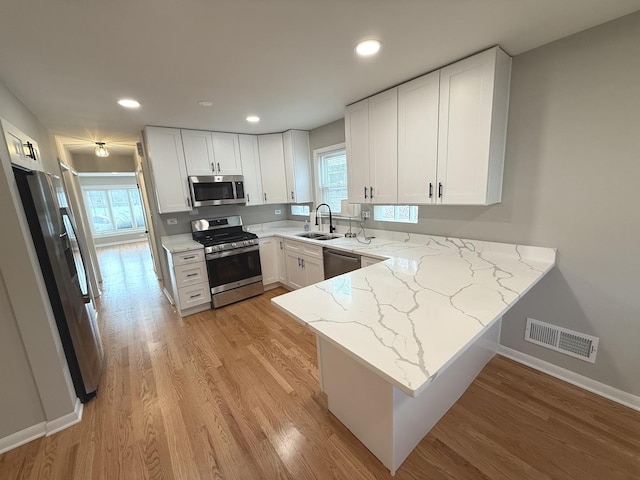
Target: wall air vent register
562,340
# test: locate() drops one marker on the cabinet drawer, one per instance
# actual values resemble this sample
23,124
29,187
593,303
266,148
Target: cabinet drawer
191,256
312,250
194,295
292,245
190,274
304,248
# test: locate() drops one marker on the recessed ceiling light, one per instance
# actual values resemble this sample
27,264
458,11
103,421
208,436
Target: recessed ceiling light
253,119
367,48
128,103
205,103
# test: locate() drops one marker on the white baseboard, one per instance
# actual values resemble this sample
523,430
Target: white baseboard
23,436
41,429
586,383
168,295
66,421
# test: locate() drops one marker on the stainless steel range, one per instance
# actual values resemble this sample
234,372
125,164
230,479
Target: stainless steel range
233,259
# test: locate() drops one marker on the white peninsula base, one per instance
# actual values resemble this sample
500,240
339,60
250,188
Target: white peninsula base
387,421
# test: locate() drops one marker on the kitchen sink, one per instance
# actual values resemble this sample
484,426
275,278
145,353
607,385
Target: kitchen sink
318,236
314,235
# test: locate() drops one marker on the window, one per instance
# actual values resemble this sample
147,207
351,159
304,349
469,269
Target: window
114,209
300,210
331,176
396,213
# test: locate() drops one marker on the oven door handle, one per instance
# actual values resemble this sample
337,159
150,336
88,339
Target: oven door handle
237,251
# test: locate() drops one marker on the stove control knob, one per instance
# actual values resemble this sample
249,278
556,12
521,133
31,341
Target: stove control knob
245,243
234,244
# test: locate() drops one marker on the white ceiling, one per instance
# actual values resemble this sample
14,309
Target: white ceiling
289,61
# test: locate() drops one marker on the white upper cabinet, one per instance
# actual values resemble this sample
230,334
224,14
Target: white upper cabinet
418,139
371,132
441,140
274,182
166,158
23,150
250,159
198,152
356,122
226,153
474,100
383,147
297,162
211,153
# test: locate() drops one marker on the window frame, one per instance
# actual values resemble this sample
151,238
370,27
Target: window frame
317,154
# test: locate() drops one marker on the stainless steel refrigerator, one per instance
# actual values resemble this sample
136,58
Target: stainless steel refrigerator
61,261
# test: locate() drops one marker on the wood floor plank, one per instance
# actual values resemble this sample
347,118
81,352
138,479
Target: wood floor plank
233,394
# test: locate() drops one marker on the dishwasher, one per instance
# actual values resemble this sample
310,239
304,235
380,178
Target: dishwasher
337,262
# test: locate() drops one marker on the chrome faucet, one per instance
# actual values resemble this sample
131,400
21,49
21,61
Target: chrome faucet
331,227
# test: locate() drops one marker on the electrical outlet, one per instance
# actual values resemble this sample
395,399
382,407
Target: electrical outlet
172,221
365,214
193,212
278,212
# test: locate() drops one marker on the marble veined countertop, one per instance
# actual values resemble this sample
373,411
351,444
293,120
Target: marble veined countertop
409,317
180,243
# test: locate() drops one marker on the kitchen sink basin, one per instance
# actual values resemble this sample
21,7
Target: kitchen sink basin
314,235
318,236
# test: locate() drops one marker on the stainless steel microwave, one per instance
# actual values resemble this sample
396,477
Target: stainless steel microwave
216,190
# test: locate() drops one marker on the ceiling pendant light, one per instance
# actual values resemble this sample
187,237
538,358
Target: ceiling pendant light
101,149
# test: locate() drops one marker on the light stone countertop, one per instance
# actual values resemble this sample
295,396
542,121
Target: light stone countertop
180,243
409,317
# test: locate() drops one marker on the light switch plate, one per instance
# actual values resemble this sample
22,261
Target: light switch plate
172,221
278,212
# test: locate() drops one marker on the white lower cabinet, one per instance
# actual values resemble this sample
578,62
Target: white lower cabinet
269,250
283,277
189,281
304,263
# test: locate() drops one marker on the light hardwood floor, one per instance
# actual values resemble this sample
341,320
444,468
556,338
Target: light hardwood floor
233,394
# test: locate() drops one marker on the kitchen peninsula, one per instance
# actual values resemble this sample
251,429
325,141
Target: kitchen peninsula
401,340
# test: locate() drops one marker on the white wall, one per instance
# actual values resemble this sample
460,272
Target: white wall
571,175
37,357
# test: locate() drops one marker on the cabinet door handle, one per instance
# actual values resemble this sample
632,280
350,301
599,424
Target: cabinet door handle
189,257
280,244
299,262
248,199
192,274
213,167
302,263
439,189
188,202
365,193
218,167
291,194
371,192
195,296
430,190
265,196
